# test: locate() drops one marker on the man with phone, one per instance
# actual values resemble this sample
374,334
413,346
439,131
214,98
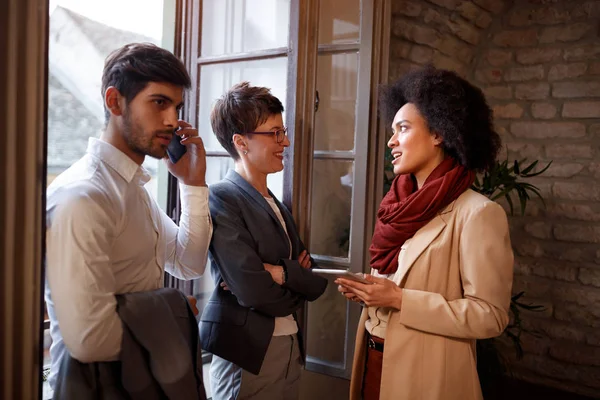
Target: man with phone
106,235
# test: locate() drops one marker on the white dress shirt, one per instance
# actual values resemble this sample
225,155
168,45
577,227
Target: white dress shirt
283,325
106,235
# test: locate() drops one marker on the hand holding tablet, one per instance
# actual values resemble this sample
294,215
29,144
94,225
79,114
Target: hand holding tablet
341,273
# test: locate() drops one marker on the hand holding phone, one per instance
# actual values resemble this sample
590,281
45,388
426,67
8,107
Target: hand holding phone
192,170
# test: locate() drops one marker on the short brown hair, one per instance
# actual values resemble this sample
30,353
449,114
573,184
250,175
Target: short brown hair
131,67
242,109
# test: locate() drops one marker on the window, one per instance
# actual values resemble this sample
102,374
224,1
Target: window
82,34
317,58
333,181
336,195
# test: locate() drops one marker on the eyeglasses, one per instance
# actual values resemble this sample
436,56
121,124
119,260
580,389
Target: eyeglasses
279,134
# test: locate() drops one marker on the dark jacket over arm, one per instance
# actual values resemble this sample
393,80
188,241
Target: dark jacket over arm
160,354
238,324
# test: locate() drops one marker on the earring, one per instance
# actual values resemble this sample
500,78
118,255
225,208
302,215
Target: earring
245,152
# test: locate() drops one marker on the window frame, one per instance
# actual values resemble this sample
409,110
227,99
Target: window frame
364,155
374,55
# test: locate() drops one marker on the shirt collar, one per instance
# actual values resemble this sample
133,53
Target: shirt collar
117,160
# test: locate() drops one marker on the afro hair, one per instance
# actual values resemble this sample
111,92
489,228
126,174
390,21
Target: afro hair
452,108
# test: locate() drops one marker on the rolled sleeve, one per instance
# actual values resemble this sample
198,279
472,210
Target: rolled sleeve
187,244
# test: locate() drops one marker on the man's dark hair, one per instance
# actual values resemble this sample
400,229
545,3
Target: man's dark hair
452,108
131,67
242,109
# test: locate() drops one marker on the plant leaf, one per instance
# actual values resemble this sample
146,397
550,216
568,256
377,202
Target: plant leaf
529,168
510,203
539,172
517,296
523,197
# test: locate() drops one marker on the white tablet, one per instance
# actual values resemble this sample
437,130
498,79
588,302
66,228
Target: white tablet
340,273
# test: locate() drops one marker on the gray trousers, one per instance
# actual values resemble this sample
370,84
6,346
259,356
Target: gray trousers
279,376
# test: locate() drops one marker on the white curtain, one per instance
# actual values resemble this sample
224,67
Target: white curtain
23,69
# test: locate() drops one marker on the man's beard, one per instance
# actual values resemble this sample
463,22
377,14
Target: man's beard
138,141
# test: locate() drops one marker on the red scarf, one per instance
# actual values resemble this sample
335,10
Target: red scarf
404,210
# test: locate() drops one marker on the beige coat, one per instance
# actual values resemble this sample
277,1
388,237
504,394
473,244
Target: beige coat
457,280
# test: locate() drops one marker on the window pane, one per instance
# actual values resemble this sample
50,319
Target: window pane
237,26
275,184
216,79
339,21
216,169
81,36
327,327
202,288
337,76
331,207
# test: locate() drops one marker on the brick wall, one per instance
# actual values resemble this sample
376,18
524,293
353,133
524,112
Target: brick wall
538,61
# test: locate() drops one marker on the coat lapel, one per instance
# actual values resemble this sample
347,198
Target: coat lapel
419,242
258,198
289,223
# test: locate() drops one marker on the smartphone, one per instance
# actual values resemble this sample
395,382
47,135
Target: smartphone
175,150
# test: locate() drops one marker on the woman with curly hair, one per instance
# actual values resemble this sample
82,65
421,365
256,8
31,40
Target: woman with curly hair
441,257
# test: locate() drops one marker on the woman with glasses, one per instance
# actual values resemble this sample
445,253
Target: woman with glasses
260,266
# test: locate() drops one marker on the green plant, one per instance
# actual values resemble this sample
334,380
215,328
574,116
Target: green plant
515,328
503,180
491,364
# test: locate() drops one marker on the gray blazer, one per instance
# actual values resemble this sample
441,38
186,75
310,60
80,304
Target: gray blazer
238,324
160,354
